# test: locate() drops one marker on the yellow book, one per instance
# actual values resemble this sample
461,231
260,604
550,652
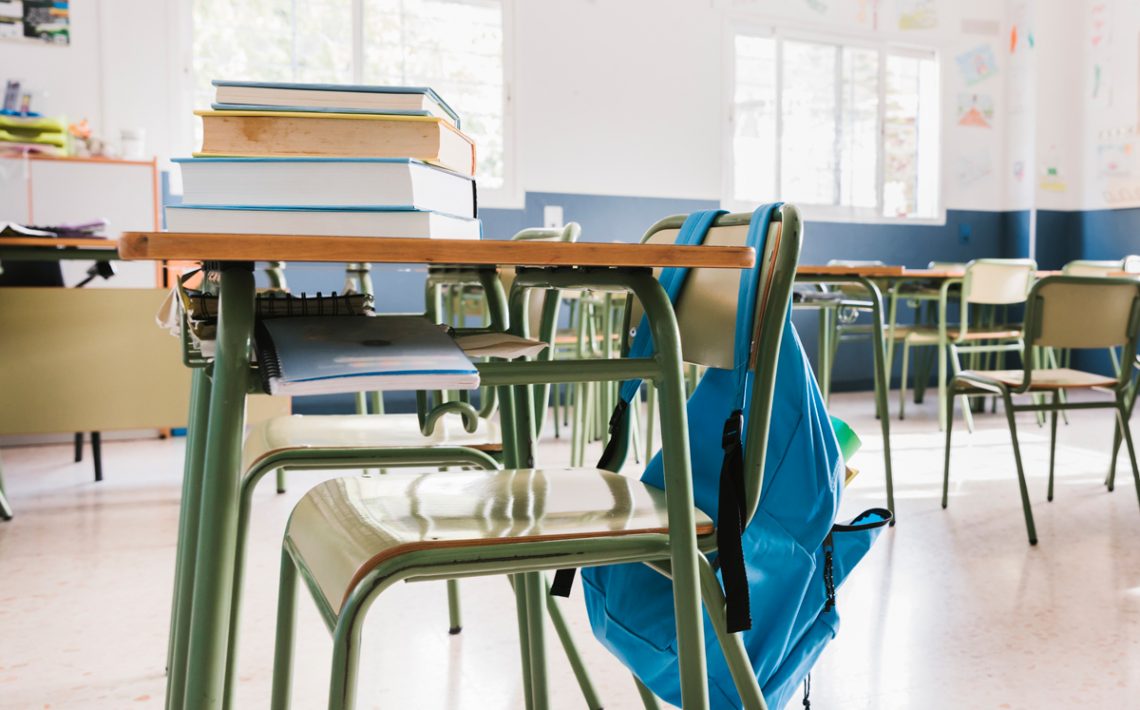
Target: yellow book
323,134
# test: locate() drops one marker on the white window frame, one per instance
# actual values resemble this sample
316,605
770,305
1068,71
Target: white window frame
509,195
816,212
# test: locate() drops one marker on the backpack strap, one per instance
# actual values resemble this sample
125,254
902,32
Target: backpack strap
731,509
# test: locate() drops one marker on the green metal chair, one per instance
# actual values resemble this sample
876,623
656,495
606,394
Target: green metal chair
987,282
350,539
921,296
1078,312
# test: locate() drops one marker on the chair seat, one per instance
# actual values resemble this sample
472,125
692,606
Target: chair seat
1046,379
926,335
361,431
345,527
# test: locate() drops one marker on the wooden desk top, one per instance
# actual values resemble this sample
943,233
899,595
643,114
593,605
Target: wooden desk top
49,243
265,247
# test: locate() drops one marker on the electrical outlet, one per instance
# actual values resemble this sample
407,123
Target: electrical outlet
552,216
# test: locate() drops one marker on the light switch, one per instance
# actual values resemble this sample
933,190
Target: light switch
552,216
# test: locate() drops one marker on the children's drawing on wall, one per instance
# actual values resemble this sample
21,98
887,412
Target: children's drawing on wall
1115,159
817,5
1020,30
917,14
1018,170
1051,177
977,64
1100,41
973,166
35,21
867,13
975,110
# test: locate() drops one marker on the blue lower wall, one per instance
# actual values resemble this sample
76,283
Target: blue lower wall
965,235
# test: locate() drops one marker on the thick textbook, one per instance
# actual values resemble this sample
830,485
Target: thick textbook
395,183
321,222
420,100
346,135
339,354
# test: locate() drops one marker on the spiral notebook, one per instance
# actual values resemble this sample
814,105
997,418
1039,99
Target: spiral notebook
334,355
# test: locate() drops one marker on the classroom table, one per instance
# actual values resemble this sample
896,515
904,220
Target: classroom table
207,529
49,249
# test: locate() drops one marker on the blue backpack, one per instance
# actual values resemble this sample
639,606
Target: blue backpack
780,573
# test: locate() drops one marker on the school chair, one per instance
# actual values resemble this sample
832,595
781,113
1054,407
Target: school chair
923,298
987,282
1078,312
1086,267
351,539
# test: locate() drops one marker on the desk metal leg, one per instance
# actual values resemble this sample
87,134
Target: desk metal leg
881,386
214,566
97,454
187,538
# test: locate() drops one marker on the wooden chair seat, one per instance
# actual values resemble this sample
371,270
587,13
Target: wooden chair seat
298,432
346,527
926,335
1059,378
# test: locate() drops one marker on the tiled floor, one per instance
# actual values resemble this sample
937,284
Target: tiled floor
952,609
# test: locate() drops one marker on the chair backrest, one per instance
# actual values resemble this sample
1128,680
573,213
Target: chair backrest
946,266
706,317
998,281
1083,312
1088,267
1131,264
706,308
569,233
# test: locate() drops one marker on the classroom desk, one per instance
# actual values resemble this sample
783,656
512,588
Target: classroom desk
207,531
49,249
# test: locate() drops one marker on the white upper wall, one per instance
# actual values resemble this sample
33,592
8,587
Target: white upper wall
628,97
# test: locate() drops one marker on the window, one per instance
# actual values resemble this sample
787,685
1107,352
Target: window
844,130
453,46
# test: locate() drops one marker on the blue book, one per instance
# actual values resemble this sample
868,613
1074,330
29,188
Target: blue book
341,354
336,97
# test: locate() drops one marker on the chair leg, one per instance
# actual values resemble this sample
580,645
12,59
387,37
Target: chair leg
1052,443
97,454
283,651
524,637
648,699
1030,528
245,506
536,628
585,684
1120,414
946,412
946,465
455,619
280,481
732,645
902,380
78,446
346,658
956,369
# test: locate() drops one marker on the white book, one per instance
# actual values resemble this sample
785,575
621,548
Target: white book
321,222
393,183
416,100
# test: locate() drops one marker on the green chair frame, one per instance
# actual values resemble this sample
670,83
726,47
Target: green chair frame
677,553
1043,328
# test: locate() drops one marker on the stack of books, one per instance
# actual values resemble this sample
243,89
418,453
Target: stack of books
321,159
32,134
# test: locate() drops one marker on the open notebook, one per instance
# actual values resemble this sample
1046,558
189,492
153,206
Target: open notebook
332,355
